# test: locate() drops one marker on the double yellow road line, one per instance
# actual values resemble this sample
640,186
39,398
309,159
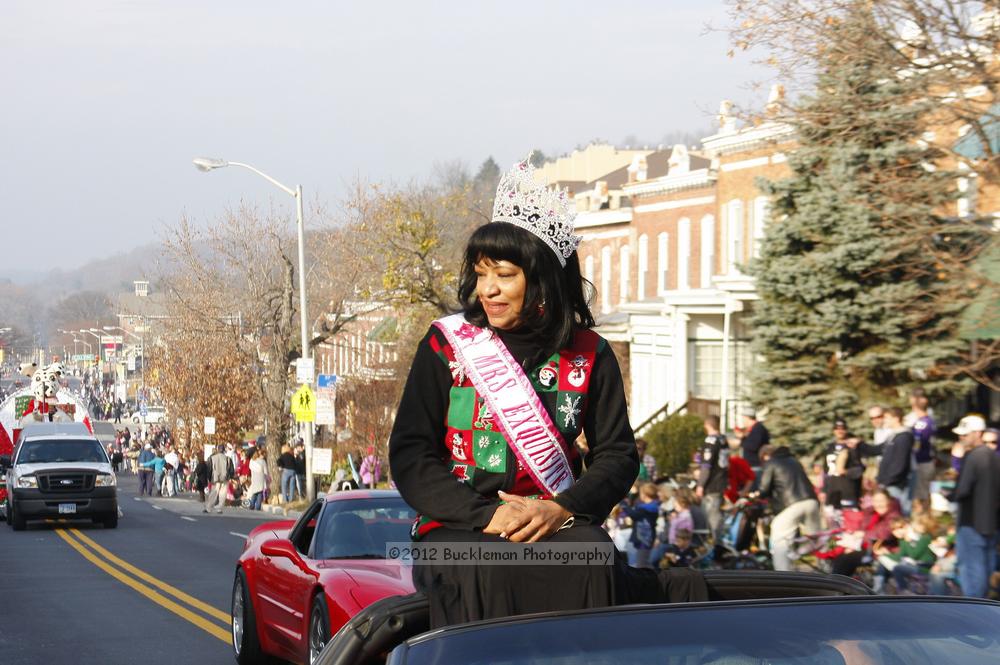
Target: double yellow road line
147,585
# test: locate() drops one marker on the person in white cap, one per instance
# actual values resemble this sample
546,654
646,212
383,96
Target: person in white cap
978,496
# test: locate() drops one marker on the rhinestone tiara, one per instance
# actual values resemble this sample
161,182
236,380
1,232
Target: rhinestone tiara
525,202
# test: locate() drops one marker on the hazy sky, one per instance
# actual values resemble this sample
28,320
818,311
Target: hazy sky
105,103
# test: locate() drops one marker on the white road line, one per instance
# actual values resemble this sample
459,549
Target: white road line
189,519
238,535
135,498
157,508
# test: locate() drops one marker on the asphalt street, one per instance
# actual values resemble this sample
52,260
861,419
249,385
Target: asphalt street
154,590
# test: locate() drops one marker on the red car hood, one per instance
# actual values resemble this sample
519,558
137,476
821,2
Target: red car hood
374,579
270,530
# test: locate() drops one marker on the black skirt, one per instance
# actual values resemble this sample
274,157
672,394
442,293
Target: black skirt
459,593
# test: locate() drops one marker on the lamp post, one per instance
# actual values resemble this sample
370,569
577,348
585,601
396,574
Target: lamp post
209,164
142,352
87,332
75,341
96,332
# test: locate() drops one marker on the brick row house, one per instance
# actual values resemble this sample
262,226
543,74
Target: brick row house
664,240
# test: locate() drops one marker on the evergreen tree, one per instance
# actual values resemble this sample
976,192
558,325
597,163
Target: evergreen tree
855,305
489,173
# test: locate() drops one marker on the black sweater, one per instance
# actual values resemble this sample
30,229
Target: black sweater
418,457
894,469
978,491
286,461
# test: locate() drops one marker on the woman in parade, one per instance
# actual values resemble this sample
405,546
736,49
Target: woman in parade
483,444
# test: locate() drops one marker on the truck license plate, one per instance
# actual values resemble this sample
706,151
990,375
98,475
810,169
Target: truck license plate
67,508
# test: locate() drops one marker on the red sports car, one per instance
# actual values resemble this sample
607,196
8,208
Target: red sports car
298,582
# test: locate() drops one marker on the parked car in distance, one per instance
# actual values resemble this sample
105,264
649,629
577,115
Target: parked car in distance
59,470
297,583
155,415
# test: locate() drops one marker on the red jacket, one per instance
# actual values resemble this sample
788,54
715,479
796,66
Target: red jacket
740,474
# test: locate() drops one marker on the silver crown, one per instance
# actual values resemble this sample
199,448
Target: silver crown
525,202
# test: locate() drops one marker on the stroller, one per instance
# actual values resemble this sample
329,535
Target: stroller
740,547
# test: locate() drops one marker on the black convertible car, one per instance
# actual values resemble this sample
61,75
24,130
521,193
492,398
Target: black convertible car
754,618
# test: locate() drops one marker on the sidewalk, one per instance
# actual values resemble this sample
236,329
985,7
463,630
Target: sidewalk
187,503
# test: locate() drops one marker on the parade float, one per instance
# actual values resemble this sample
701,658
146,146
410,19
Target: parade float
45,400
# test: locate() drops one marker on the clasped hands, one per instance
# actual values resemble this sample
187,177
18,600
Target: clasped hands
523,520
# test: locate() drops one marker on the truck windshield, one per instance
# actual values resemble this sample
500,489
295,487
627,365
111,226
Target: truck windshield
68,450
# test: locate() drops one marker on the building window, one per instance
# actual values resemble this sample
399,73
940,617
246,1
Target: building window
588,268
623,274
734,232
760,215
684,254
707,251
606,279
640,285
662,262
706,369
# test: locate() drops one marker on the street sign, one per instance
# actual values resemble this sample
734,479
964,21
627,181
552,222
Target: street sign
304,405
326,381
111,340
209,425
322,461
325,414
305,370
143,410
131,363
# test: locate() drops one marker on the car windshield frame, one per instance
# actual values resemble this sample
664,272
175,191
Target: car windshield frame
818,631
58,451
342,517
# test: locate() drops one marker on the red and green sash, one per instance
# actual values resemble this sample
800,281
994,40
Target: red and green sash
515,405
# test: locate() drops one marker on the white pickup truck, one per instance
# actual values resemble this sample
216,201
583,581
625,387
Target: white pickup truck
59,470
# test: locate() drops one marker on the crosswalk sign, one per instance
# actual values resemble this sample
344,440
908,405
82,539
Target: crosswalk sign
304,404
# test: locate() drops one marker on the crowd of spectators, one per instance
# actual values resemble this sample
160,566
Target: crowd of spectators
166,469
891,505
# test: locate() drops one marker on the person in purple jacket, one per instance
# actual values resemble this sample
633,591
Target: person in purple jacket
922,425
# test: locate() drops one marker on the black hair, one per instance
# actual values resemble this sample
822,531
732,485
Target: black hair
556,299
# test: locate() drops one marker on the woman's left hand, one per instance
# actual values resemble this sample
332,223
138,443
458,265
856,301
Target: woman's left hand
537,519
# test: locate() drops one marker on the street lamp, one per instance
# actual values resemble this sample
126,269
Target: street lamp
75,342
96,332
210,164
87,332
142,352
